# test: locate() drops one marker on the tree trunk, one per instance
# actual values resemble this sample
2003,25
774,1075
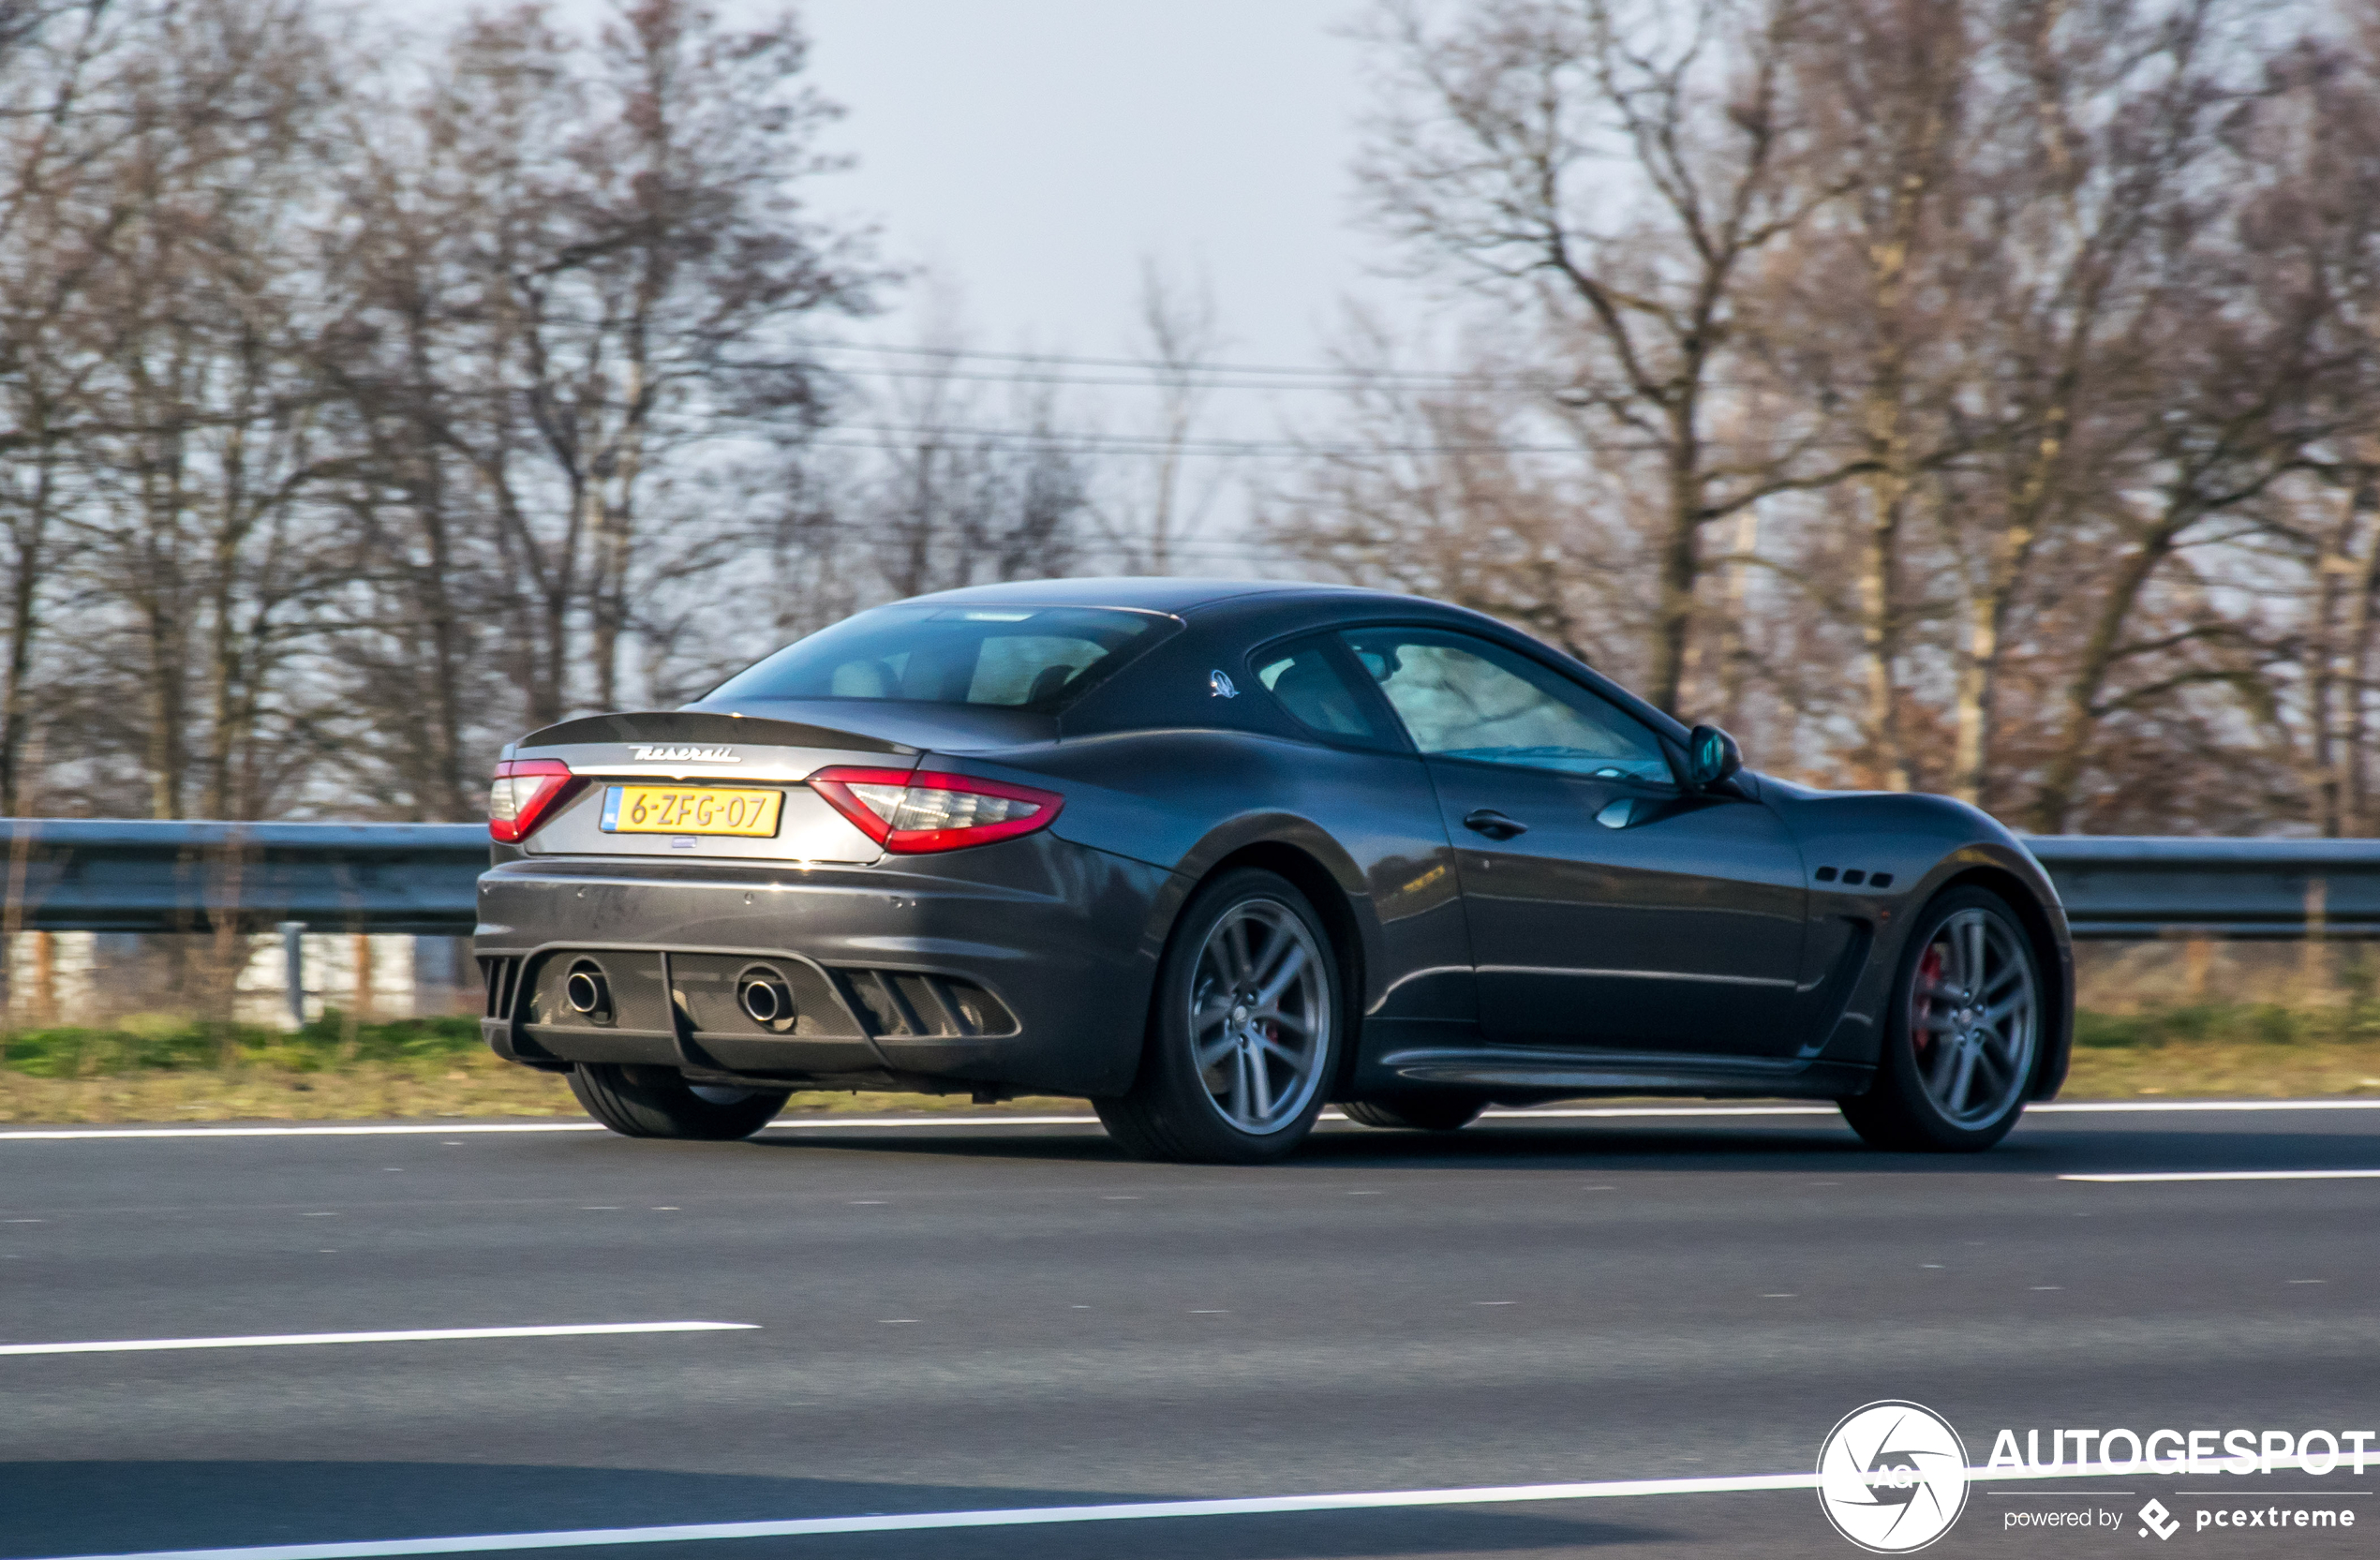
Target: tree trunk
1974,700
2054,804
1680,567
28,561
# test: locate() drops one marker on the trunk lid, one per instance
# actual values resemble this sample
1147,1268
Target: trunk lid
700,750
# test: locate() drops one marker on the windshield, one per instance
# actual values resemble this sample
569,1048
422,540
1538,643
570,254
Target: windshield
1021,657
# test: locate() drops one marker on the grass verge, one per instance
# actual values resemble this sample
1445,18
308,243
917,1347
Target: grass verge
168,1069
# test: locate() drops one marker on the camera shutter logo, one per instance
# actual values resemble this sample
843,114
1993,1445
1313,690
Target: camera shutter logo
1892,1477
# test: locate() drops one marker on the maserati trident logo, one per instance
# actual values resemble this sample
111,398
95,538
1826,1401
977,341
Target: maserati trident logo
689,755
1892,1477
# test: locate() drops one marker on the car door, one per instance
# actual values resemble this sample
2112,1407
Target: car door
1608,907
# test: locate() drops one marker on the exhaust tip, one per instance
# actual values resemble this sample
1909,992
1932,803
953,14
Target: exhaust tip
589,994
765,999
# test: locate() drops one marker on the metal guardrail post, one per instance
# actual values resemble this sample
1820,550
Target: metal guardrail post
293,968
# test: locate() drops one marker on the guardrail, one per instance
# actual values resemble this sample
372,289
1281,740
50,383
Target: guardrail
106,875
102,875
2154,885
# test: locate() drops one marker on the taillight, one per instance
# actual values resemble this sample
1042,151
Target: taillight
911,814
523,792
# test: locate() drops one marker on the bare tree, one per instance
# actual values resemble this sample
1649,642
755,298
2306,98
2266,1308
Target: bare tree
1155,509
628,253
1478,167
959,492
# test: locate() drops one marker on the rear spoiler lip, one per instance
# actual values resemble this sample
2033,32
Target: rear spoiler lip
706,728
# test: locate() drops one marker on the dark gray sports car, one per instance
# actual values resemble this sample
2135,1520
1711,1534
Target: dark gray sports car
1216,854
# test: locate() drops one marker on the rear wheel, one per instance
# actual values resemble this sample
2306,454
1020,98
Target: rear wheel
1421,1112
1964,1032
655,1102
1243,1033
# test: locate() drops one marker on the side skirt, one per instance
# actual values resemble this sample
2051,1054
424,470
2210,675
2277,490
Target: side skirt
1554,1072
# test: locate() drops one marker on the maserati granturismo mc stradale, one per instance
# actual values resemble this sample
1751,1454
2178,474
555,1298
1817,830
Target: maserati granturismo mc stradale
1214,855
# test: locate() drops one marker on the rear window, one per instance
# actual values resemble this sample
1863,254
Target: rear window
1023,657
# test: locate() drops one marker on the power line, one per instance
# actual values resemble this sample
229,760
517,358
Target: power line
1158,365
1150,444
1202,376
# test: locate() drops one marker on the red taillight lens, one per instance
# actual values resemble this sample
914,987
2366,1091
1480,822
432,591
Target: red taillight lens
911,814
524,791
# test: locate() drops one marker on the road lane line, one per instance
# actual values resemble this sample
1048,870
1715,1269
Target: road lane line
1592,1112
419,1335
797,1123
1013,1517
1045,1516
2084,1107
370,1129
2229,1175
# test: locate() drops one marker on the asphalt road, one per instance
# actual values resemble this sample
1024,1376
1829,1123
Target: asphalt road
964,1318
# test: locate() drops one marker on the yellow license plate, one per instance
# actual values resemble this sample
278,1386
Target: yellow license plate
691,810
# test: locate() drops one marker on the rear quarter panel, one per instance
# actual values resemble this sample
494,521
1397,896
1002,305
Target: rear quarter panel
1191,800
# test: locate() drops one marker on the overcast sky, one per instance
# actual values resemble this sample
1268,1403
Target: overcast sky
1032,152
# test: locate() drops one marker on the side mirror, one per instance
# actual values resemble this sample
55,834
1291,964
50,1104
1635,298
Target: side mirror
1711,756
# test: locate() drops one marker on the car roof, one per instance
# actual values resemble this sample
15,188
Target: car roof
1149,593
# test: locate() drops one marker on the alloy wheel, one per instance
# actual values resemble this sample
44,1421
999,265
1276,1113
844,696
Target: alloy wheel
1974,1017
1260,1015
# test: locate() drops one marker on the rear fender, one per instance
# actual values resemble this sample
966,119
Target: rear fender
1261,840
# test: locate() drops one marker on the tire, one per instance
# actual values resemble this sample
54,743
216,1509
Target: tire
655,1102
1421,1112
1267,1064
1961,1046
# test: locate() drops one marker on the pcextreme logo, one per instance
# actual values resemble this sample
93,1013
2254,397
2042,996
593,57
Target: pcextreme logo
1892,1477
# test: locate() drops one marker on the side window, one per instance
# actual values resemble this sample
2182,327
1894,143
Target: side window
1462,697
1307,681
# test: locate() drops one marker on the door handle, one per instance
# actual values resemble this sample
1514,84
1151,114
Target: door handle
1494,825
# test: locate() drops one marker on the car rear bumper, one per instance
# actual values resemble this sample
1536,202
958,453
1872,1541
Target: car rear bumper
1024,965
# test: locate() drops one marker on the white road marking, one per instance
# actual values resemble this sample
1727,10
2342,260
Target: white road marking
373,1129
1599,1112
420,1335
2230,1175
1046,1516
796,1123
2152,1107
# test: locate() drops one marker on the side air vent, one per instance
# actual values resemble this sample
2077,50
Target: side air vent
502,978
900,1004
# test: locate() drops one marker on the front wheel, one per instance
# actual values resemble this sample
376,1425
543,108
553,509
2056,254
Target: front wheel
1244,1031
655,1102
1963,1032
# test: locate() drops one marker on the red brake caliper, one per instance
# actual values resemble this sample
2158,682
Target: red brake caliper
1921,1007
